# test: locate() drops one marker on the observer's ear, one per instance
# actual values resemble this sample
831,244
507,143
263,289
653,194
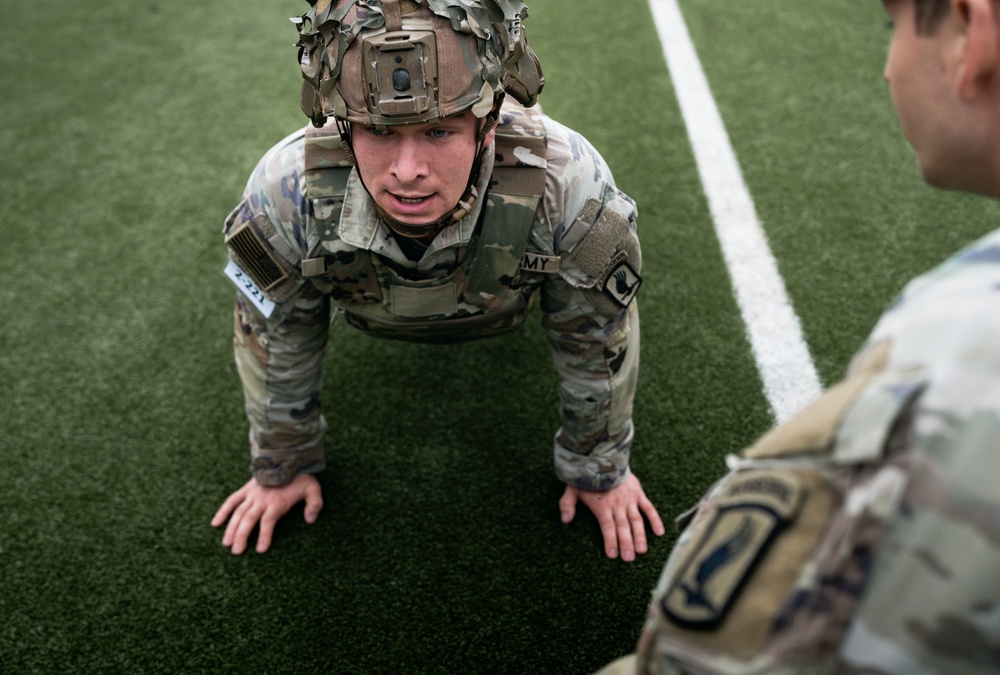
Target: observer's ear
977,24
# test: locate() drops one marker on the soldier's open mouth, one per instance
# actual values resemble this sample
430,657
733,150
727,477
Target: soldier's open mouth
410,200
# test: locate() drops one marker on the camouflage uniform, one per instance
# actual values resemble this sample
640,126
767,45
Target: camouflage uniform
581,263
864,534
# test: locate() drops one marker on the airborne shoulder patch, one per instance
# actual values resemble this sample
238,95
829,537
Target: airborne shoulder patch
747,516
622,283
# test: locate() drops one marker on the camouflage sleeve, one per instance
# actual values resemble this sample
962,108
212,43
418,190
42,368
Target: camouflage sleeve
281,322
598,365
281,368
590,314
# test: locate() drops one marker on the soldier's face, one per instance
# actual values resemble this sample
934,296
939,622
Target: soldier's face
417,173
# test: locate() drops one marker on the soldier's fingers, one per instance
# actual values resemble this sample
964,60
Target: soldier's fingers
234,523
567,505
248,521
638,528
220,516
624,531
655,522
232,501
314,502
266,532
606,521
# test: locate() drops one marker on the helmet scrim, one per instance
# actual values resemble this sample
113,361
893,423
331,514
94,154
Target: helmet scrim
386,62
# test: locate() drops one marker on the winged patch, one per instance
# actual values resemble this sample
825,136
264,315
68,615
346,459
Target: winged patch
747,517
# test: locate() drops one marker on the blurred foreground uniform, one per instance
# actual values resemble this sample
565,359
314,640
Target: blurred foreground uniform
864,534
550,229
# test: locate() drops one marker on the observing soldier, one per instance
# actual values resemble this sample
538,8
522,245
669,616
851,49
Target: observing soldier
863,536
428,201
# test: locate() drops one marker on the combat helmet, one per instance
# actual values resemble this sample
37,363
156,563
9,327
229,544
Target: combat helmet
393,62
386,62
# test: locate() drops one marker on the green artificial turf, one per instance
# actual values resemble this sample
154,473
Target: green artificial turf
126,133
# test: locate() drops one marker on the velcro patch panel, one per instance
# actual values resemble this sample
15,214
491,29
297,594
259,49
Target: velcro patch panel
255,257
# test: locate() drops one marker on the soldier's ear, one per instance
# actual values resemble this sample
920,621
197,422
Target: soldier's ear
976,27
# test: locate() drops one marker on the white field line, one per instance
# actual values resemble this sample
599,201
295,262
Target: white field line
783,359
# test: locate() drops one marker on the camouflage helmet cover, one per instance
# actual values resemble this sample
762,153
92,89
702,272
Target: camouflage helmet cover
385,62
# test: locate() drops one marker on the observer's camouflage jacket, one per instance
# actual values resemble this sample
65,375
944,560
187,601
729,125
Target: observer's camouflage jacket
863,535
583,230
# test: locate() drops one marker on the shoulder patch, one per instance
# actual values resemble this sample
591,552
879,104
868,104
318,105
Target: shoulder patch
754,508
622,283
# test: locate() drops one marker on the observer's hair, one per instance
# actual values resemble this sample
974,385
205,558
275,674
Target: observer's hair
929,13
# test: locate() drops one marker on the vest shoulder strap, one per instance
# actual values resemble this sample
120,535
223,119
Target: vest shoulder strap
327,167
521,143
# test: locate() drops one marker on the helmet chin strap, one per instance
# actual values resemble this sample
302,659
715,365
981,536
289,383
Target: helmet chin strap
465,202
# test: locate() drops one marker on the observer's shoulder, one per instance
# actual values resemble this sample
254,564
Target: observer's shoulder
958,296
945,325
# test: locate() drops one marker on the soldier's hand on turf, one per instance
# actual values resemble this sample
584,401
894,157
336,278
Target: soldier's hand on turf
619,512
255,503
